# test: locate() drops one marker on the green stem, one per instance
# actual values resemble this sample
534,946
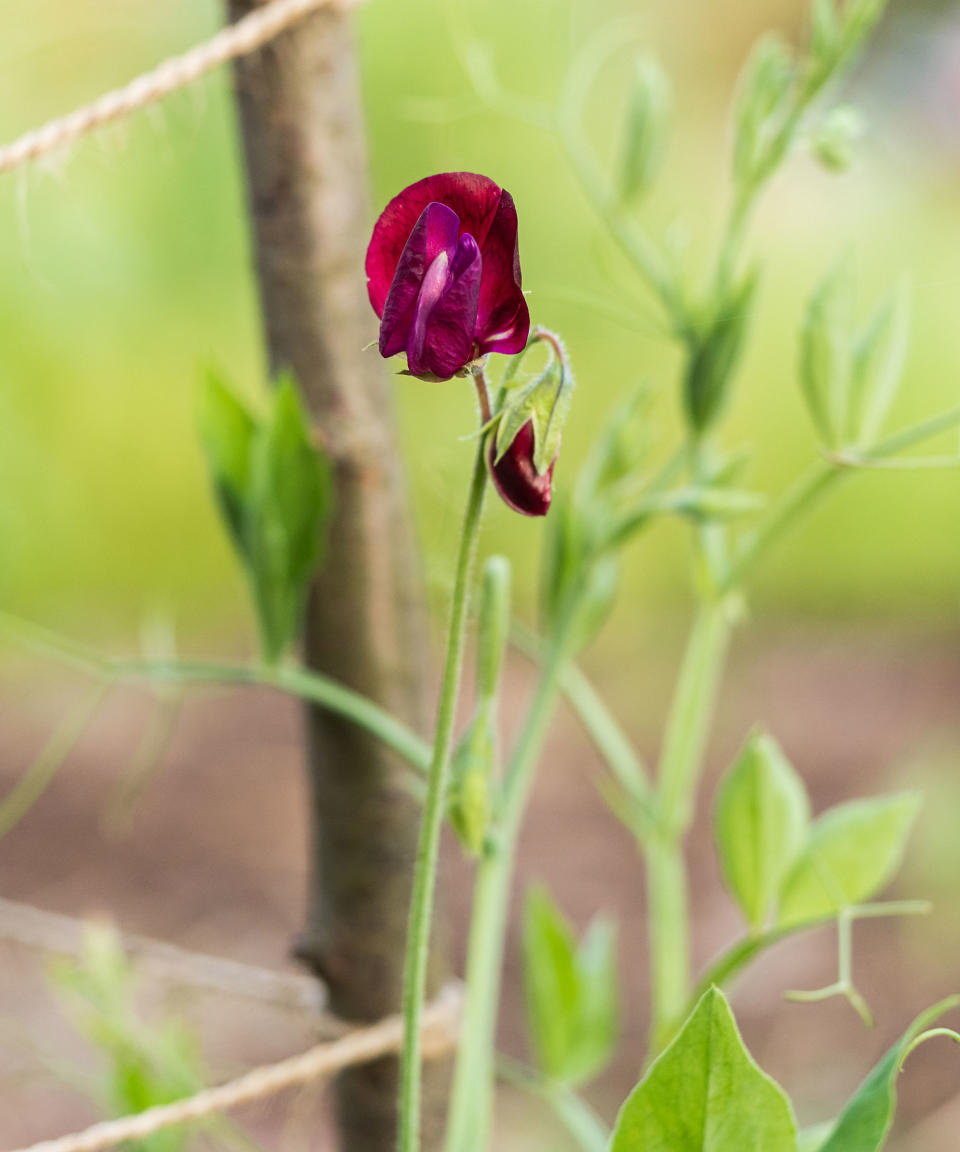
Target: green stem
470,1107
424,879
690,714
294,681
798,498
290,679
734,959
821,476
680,762
669,929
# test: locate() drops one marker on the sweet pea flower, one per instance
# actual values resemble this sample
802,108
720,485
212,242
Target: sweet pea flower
516,478
443,274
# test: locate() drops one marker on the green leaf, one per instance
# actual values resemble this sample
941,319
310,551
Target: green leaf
289,505
826,355
551,984
570,993
599,1024
764,103
645,131
852,852
546,402
227,431
864,1124
760,825
704,1093
878,362
714,355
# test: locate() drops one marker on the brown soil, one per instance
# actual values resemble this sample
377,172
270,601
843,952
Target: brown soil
214,861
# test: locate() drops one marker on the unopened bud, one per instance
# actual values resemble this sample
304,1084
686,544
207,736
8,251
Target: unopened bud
516,478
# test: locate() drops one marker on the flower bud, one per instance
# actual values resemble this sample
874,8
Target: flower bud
837,137
515,475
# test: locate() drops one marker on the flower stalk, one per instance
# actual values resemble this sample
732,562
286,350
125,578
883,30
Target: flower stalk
425,870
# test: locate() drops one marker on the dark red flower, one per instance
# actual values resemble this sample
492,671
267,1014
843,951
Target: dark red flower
443,274
516,478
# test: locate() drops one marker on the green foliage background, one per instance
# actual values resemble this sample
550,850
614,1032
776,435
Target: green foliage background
126,265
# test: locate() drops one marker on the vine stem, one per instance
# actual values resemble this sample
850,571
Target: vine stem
425,871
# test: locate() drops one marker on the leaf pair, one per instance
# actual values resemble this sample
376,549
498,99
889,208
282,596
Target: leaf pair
776,862
850,378
571,991
275,492
705,1093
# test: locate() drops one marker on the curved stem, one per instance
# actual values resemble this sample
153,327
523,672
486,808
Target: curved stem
290,679
293,681
424,879
734,959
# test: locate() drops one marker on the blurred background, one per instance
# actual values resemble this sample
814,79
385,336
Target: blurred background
125,268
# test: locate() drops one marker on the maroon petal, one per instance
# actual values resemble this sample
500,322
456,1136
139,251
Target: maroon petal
503,319
520,485
434,235
474,198
441,337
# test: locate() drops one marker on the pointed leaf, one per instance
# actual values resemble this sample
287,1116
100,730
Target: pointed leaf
826,356
760,825
704,1093
226,432
289,505
853,851
550,983
598,1015
571,992
879,359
